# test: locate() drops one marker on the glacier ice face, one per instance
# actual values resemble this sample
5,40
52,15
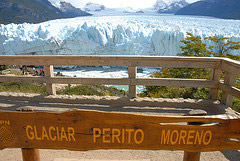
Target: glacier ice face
111,35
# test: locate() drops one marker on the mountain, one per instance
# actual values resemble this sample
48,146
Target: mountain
169,6
93,7
160,4
72,11
31,11
229,9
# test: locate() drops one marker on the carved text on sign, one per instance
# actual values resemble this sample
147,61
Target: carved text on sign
112,135
50,133
186,137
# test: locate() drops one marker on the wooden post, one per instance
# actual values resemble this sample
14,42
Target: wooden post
229,79
29,154
48,71
132,72
216,76
194,156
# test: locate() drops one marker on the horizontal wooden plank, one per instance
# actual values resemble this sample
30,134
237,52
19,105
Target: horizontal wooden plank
231,66
230,90
177,82
138,81
91,130
144,61
23,79
91,81
114,81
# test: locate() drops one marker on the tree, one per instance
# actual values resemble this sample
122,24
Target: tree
222,47
193,46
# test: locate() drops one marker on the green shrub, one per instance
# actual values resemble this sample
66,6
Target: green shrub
22,87
98,90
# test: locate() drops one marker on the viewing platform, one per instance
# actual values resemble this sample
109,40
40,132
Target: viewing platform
156,123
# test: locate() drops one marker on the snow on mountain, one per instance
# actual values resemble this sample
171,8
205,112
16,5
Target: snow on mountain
110,35
160,4
170,6
55,3
72,11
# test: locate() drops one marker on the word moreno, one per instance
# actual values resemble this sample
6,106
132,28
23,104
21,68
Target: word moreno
186,137
51,133
112,135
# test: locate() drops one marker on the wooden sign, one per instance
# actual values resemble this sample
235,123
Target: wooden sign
89,130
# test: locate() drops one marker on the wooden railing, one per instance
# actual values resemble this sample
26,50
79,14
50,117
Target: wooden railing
102,130
230,67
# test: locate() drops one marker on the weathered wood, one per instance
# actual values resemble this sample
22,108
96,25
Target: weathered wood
191,156
23,79
114,81
144,61
194,156
138,81
228,65
229,79
197,113
177,82
216,76
29,154
89,130
231,66
132,73
230,89
48,71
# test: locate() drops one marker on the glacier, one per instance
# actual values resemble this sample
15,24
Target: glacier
157,35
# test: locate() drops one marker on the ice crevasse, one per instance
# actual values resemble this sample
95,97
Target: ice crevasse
111,35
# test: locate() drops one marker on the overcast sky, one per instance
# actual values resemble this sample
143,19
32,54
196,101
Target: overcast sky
118,3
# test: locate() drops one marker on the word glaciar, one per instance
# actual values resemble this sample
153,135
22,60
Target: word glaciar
50,133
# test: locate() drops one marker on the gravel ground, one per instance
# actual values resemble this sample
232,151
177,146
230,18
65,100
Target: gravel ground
118,155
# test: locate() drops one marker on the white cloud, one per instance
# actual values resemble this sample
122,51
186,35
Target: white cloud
191,1
124,3
116,3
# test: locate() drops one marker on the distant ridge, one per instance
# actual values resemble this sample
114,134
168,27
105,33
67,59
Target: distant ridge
229,9
71,11
172,6
31,11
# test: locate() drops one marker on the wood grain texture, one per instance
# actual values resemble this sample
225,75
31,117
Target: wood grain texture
230,89
91,130
194,156
142,61
115,81
191,156
48,72
30,154
132,73
216,76
230,80
230,66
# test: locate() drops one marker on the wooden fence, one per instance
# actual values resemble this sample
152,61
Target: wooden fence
230,67
89,130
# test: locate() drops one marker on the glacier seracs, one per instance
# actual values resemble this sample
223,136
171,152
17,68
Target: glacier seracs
111,35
